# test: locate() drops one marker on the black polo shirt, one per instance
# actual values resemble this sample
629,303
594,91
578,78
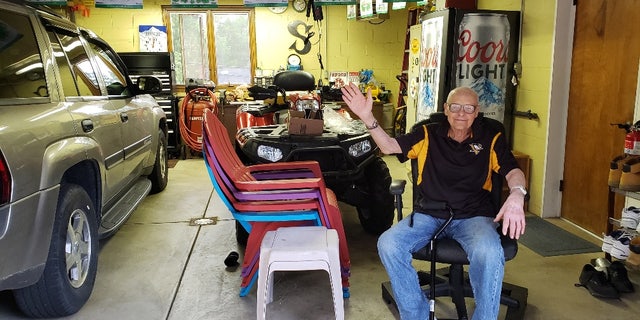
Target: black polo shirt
458,174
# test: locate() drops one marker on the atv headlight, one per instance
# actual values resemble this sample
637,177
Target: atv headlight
310,104
269,153
360,148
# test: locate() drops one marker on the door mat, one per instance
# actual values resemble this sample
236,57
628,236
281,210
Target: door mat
547,239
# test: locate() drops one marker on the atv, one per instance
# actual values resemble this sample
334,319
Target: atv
347,155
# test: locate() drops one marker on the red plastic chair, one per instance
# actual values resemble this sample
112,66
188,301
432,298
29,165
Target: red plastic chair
278,214
244,177
216,133
257,202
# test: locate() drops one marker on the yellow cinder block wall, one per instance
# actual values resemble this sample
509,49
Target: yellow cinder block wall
345,45
533,93
119,27
352,45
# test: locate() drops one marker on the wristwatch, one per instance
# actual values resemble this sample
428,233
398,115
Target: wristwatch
521,189
372,126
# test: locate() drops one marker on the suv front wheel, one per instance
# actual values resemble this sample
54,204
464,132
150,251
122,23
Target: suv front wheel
70,271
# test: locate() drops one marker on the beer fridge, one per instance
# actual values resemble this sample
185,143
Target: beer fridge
474,48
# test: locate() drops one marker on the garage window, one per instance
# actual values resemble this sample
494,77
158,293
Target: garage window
212,44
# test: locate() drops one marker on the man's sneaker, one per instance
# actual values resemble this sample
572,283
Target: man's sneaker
610,239
630,217
620,249
618,277
596,282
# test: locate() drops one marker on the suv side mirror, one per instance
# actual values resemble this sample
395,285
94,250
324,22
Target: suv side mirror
150,85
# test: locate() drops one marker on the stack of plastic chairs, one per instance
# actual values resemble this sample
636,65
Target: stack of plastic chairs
263,197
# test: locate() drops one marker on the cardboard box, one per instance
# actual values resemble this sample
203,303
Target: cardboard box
299,125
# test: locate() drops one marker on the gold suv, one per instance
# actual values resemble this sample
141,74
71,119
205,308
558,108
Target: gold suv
80,148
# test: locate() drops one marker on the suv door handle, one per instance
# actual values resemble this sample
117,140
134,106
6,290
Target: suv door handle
87,125
124,117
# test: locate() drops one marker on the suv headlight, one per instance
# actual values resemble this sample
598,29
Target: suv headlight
269,153
311,104
360,148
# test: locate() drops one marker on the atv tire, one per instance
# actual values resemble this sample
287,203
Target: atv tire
377,216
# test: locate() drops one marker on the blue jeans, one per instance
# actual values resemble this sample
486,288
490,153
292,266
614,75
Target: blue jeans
477,236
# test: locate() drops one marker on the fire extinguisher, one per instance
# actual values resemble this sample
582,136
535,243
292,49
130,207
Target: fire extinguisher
632,140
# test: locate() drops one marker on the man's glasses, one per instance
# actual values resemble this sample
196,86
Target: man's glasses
468,108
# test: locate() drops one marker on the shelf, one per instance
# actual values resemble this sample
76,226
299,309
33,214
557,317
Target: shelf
611,221
616,222
376,16
630,194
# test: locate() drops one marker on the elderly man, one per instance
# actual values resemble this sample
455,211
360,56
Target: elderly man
455,158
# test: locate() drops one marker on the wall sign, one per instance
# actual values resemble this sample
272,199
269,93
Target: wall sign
195,3
294,30
266,3
129,4
333,2
49,2
153,38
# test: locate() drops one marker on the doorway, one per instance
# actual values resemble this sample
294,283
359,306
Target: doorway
602,91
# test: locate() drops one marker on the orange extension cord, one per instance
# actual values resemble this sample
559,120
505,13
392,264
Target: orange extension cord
193,138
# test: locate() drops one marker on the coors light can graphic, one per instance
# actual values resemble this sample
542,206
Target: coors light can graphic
483,42
429,79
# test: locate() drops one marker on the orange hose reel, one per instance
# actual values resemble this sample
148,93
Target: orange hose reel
191,115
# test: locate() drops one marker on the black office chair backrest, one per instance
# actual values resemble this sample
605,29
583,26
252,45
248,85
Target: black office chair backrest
294,80
496,179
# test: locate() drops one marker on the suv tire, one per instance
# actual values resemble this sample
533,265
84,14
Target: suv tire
68,277
160,175
377,216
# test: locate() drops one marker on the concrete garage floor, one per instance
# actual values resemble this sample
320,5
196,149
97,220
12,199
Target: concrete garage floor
160,267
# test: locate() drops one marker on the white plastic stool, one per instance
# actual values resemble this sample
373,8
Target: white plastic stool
295,249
